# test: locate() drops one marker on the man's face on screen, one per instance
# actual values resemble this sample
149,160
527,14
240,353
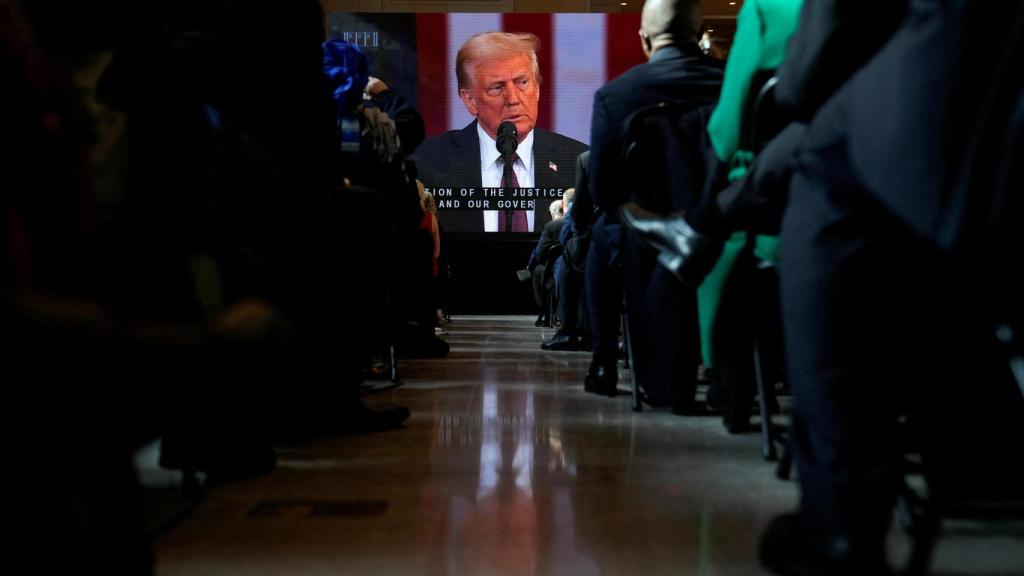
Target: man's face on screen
503,89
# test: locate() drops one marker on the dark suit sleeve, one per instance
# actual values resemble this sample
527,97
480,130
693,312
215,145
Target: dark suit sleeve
566,231
834,39
443,162
547,240
756,201
534,258
450,160
605,145
583,205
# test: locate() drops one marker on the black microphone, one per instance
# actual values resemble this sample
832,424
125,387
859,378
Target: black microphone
507,142
508,139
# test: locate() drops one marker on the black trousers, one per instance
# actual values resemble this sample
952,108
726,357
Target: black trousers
541,292
663,327
748,310
604,280
876,325
571,300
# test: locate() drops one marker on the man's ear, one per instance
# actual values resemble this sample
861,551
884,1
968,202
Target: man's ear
645,43
467,99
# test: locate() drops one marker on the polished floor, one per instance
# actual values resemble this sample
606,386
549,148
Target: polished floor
506,468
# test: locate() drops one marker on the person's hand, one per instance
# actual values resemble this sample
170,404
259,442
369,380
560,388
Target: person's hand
374,87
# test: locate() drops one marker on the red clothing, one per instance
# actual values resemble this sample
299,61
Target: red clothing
429,224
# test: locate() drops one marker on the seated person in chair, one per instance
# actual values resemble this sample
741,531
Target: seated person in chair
541,277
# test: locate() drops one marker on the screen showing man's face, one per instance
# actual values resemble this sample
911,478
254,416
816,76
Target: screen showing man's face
504,89
416,55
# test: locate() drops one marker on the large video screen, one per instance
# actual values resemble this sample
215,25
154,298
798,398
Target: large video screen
477,187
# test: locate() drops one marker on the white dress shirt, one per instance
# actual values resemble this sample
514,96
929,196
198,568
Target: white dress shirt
491,171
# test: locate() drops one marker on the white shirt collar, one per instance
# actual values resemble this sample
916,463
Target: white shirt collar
489,149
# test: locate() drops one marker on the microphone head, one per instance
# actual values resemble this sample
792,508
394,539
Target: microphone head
508,138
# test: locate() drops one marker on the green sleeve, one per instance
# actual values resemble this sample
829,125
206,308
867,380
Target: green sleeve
763,28
744,57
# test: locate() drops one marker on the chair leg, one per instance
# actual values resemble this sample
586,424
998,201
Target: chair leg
634,386
921,522
552,306
785,468
921,553
767,433
393,360
448,298
625,343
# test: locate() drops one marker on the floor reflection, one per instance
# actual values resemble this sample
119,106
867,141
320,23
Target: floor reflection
505,468
519,518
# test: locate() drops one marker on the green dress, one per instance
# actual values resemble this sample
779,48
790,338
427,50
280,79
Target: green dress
762,30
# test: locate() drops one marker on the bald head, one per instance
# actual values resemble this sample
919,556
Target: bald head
567,197
667,22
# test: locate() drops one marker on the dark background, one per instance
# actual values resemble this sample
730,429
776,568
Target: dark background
484,269
394,61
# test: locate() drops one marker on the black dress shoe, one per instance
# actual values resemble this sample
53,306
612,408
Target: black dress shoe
542,320
356,418
790,549
683,251
694,408
736,416
586,345
378,387
561,341
601,381
739,426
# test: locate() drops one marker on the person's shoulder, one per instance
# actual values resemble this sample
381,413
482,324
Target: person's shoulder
691,72
436,145
630,86
624,81
554,226
714,67
548,139
679,66
445,144
678,77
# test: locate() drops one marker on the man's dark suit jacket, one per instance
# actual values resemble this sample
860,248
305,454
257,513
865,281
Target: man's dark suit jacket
910,102
673,74
548,239
662,312
452,160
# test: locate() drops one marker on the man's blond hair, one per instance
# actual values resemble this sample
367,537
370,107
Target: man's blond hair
488,45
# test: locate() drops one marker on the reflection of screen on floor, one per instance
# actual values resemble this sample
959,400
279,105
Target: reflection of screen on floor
415,55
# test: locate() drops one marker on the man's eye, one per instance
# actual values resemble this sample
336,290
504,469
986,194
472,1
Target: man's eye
523,83
494,90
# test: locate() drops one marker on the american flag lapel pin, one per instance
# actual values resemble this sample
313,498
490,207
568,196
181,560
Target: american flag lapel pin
553,166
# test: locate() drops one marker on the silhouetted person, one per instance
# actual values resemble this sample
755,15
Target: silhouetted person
677,72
